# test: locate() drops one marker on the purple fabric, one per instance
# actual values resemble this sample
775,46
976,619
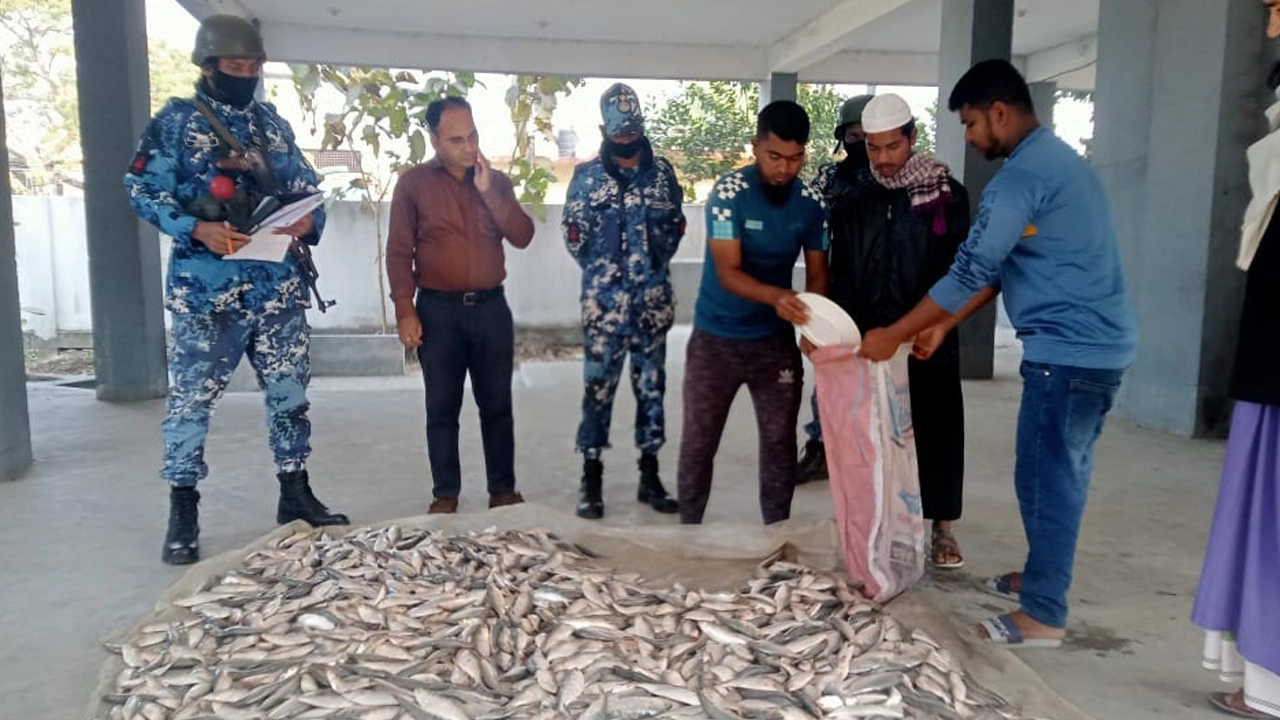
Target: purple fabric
1240,584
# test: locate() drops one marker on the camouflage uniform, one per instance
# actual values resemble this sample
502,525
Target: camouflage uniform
623,233
223,310
826,184
623,227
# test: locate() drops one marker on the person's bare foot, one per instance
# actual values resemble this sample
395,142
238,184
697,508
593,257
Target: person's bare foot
945,550
1236,701
1234,704
1030,629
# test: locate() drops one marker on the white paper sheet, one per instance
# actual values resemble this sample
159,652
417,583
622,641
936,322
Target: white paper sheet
269,246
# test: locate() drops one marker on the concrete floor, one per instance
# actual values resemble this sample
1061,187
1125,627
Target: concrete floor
81,531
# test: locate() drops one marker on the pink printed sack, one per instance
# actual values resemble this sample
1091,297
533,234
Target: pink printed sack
865,410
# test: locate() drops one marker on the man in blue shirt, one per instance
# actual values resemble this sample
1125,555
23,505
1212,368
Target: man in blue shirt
1044,236
759,219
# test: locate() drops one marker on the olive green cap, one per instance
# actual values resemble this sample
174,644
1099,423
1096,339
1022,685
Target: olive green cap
851,112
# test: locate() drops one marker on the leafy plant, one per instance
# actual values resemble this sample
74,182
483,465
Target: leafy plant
382,111
532,100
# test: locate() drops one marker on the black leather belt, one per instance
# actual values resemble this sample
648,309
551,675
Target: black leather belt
470,297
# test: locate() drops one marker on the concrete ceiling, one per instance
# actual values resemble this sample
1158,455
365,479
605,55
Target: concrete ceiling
877,41
1037,25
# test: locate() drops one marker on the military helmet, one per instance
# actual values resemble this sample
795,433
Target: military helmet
229,36
851,112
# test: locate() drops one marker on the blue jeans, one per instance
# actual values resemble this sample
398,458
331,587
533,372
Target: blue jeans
1062,414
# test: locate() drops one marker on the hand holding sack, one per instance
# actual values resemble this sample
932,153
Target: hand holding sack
865,410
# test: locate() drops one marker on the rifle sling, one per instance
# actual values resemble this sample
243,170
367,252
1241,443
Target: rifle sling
236,146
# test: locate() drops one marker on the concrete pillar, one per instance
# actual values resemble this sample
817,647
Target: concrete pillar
972,31
779,86
1044,96
1180,92
15,422
124,254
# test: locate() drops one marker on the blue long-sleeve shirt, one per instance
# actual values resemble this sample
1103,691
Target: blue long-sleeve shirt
1044,237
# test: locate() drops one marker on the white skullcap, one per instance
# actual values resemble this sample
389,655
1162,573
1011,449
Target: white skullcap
884,113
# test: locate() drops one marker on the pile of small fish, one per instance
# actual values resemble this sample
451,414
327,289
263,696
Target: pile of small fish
399,624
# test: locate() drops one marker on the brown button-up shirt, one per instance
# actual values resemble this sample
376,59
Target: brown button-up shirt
447,235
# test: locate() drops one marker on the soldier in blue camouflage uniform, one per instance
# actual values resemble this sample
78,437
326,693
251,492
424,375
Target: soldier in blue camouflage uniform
622,223
223,310
833,180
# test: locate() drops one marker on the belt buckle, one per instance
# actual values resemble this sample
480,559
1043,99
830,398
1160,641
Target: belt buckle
469,298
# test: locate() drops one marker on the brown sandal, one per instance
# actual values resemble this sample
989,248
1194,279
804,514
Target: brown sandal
945,546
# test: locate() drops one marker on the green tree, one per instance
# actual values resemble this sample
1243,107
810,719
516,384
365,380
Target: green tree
704,129
380,111
823,105
37,60
532,100
172,74
41,108
927,129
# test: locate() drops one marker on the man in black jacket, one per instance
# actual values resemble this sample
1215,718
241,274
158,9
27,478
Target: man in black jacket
891,241
833,180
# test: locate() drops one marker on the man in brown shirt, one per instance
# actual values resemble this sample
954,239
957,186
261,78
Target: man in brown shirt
448,219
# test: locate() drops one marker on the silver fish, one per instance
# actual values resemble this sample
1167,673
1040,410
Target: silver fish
396,623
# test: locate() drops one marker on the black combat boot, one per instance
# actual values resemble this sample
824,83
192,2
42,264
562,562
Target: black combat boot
651,490
590,499
182,542
813,463
297,502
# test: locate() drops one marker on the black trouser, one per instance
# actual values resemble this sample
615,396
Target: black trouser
937,414
461,333
715,368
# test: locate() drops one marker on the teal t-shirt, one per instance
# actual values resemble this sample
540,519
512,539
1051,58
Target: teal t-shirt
772,237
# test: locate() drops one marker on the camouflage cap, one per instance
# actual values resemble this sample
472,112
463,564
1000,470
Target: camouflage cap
620,109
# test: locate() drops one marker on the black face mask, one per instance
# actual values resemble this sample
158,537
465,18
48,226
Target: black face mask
232,90
856,154
626,151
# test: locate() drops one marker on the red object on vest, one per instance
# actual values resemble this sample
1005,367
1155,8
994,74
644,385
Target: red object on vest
222,188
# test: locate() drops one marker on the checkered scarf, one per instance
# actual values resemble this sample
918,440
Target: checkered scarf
927,182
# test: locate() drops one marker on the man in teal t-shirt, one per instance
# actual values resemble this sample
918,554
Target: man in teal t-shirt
759,219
